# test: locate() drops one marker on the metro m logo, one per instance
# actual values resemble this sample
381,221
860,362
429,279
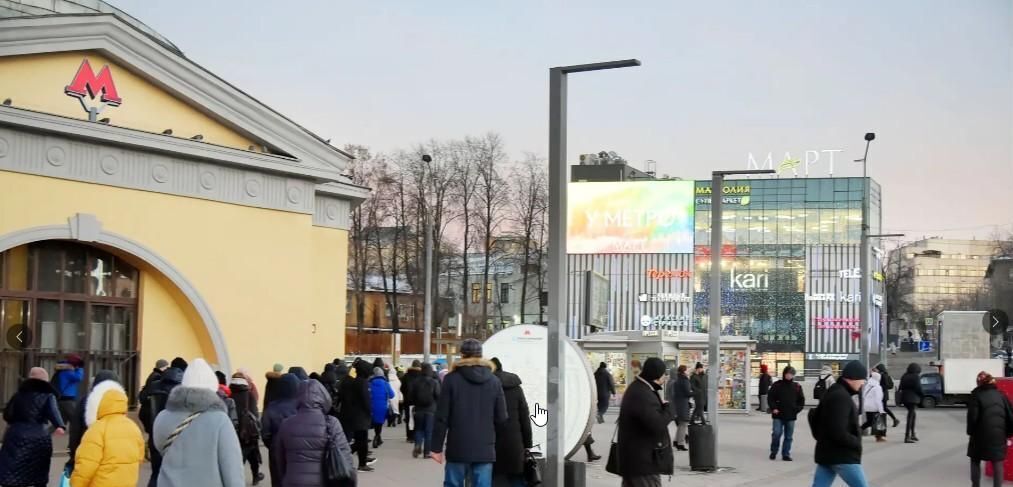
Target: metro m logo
88,84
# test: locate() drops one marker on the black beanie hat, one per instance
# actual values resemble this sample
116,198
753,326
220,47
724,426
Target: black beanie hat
179,363
855,371
698,365
653,369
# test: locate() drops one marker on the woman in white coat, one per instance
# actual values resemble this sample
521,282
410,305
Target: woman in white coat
395,402
872,404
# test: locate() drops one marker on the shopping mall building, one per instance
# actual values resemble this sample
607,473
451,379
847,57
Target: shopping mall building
790,267
149,209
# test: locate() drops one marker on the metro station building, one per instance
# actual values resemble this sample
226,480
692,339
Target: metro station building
790,272
149,209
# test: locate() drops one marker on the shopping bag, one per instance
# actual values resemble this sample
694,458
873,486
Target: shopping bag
879,425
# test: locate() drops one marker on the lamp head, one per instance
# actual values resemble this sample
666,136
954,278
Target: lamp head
427,158
870,136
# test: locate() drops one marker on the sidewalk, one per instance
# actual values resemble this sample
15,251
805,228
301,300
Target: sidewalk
938,460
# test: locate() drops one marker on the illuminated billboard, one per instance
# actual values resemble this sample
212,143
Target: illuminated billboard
644,217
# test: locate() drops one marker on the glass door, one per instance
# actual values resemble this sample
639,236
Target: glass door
13,316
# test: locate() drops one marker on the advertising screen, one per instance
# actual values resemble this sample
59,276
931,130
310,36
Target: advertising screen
644,217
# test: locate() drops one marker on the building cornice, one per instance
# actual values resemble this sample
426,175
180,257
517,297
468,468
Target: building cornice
175,74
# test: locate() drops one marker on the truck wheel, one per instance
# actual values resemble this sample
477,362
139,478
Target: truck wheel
928,402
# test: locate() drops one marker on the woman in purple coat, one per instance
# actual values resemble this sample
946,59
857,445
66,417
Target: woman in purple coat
303,439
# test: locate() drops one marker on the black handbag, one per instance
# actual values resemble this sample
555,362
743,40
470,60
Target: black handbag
532,474
612,465
338,470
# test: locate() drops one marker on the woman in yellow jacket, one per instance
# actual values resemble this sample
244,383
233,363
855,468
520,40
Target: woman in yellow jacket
112,449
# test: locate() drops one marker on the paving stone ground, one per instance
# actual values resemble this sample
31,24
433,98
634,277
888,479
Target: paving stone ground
938,460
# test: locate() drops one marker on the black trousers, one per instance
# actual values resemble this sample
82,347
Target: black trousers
912,413
997,473
156,462
699,409
361,446
886,408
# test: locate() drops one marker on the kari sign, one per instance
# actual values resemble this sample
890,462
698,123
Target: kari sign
643,217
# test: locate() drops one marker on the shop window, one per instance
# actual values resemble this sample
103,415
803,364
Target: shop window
504,293
476,293
488,292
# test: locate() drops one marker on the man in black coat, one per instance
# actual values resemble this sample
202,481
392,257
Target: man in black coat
835,426
513,437
152,403
988,414
786,400
409,378
423,395
910,395
680,392
699,384
356,414
156,373
471,405
606,387
643,445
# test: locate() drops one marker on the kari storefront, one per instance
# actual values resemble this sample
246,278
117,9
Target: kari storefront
624,351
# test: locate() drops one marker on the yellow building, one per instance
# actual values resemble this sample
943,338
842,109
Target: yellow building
149,209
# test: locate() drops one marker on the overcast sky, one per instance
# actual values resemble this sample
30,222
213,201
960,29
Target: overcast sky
933,79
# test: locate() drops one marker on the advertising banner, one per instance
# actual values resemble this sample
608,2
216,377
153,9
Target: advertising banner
630,217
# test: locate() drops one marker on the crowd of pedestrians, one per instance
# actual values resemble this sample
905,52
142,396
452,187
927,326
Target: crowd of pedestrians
321,429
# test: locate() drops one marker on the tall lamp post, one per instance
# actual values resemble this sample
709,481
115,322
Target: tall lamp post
557,259
714,328
427,321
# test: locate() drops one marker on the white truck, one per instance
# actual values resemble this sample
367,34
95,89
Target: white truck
956,378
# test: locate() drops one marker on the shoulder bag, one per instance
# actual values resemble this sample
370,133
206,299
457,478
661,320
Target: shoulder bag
338,470
179,429
612,465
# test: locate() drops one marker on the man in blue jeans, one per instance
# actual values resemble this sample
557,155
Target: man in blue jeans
471,404
838,437
786,400
424,393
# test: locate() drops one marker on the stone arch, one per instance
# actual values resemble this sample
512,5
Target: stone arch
87,229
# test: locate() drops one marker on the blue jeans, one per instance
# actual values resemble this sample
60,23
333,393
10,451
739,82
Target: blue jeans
786,427
424,431
455,473
851,473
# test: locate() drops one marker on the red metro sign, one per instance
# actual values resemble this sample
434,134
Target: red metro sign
89,85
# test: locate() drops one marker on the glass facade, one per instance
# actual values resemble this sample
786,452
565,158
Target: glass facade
769,226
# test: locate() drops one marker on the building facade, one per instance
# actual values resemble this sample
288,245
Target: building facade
152,210
938,273
790,272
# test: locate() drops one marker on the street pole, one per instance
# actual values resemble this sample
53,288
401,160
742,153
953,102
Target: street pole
865,289
427,320
714,293
553,475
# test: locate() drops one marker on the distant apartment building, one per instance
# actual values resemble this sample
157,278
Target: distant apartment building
939,273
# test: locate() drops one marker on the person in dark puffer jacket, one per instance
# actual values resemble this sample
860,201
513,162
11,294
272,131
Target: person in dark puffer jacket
910,395
409,378
247,424
471,405
838,438
513,438
786,400
303,439
27,448
355,414
285,404
988,413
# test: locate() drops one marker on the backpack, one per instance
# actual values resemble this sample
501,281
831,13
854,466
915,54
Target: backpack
821,388
249,428
422,393
886,382
814,422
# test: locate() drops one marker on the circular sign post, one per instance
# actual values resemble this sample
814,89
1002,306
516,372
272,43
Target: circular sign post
523,350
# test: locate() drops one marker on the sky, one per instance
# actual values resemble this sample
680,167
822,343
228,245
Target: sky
720,80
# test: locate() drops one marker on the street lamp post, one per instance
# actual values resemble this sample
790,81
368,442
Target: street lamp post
557,259
714,328
427,321
866,272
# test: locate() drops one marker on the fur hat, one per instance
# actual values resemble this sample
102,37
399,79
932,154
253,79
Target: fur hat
199,375
471,348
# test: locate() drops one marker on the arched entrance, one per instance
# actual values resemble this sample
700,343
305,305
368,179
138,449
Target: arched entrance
85,230
66,297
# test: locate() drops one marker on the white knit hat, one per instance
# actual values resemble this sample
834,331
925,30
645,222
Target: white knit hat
199,375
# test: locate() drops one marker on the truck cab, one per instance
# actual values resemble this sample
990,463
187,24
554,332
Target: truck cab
932,387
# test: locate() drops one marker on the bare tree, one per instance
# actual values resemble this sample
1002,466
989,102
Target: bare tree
361,173
529,188
898,284
491,201
464,196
